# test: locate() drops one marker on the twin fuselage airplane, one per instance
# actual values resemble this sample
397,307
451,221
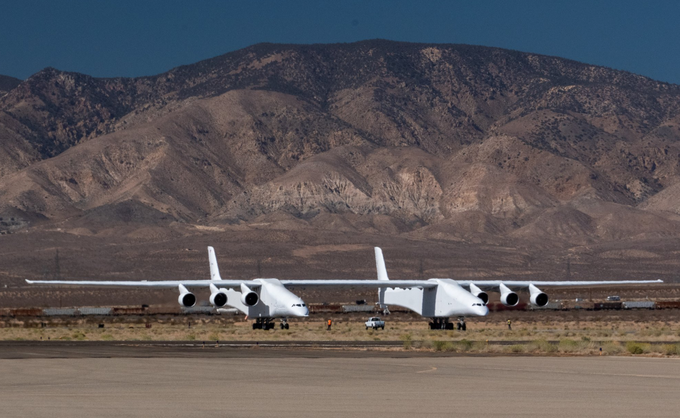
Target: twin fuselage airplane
267,299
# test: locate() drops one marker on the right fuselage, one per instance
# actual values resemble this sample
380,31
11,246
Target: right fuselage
445,300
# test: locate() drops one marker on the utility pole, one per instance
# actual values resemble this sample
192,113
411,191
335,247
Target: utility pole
57,272
57,269
568,268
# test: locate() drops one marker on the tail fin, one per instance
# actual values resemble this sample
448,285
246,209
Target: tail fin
382,275
380,264
214,270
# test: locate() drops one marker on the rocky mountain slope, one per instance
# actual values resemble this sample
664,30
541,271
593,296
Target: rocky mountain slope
426,142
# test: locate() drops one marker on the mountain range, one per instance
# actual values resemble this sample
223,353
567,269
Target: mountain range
429,144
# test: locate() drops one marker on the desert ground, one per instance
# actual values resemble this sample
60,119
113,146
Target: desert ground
651,333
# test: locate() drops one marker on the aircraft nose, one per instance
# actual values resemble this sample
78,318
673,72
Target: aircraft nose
482,310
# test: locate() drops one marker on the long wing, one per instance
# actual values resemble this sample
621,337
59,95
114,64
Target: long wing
382,282
483,284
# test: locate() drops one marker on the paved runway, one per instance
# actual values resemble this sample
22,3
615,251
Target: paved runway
314,383
222,349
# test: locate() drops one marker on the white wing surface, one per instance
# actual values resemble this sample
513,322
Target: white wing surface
145,283
382,282
484,284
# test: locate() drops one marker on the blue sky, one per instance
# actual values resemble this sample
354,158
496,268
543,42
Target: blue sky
144,37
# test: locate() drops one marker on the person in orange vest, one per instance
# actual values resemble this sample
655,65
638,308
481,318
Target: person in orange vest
329,324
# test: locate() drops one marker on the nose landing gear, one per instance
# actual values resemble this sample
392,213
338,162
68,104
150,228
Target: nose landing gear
284,323
461,323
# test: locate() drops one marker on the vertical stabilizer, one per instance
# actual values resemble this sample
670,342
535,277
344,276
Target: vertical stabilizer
380,264
382,275
214,270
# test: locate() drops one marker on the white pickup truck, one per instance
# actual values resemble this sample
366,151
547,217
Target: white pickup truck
375,323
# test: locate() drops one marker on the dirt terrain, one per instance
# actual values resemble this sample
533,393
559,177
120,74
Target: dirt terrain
294,160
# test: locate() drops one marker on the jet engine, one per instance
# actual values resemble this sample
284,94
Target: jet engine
538,298
186,298
479,293
508,297
248,297
218,297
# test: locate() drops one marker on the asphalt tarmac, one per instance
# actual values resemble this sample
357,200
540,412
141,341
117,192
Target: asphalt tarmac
50,380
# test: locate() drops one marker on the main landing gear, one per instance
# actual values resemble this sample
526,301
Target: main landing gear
263,323
441,323
444,323
268,323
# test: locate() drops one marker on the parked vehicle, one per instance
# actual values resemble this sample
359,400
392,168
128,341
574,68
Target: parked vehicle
375,323
614,298
639,304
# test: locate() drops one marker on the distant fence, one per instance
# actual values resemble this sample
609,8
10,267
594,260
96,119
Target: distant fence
59,311
358,308
106,311
331,308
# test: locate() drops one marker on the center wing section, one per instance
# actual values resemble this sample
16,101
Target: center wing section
359,283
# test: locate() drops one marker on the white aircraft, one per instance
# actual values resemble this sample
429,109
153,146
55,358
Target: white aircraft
267,299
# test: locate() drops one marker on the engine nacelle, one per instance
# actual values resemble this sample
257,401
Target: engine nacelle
186,298
479,293
250,298
218,299
538,298
508,297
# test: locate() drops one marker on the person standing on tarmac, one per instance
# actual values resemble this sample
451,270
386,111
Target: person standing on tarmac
509,325
330,322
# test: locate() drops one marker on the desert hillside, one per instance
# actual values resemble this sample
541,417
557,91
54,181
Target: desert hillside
513,163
